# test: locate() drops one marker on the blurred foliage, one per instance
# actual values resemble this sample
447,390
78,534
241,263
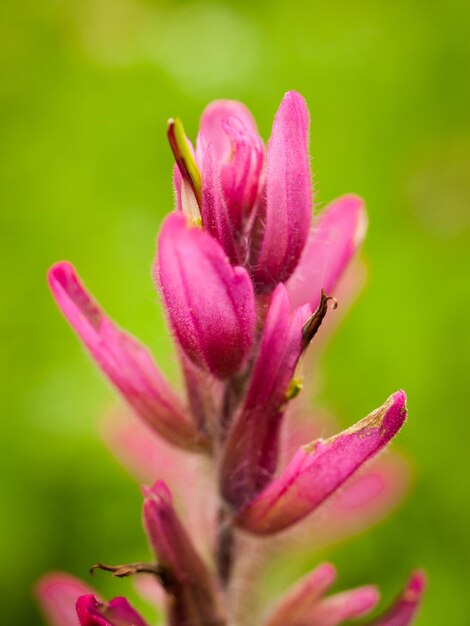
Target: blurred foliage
86,89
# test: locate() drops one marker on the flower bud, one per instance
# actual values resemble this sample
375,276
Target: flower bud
210,304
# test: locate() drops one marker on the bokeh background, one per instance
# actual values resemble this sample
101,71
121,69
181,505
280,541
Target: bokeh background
86,89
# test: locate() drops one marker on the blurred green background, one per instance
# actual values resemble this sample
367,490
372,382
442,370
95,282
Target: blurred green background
86,89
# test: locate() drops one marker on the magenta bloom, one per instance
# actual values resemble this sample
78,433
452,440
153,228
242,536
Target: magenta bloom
246,281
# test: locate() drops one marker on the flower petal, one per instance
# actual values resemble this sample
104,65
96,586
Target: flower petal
296,605
317,470
241,173
193,590
126,362
57,594
92,612
210,303
403,612
212,130
214,212
251,451
333,241
287,211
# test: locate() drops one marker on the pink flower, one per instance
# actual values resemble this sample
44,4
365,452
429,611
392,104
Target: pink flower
246,283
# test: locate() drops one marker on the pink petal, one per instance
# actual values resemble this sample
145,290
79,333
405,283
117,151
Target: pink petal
210,304
404,611
332,243
57,594
297,605
365,499
251,452
287,213
92,612
343,606
126,362
212,130
215,217
319,469
192,588
241,174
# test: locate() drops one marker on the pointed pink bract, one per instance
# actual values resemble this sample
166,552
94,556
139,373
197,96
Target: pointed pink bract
126,362
286,211
317,470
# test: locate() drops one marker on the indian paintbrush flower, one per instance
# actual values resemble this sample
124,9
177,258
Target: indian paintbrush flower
246,281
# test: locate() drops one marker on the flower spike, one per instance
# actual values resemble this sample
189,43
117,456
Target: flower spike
317,470
246,283
126,362
210,303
